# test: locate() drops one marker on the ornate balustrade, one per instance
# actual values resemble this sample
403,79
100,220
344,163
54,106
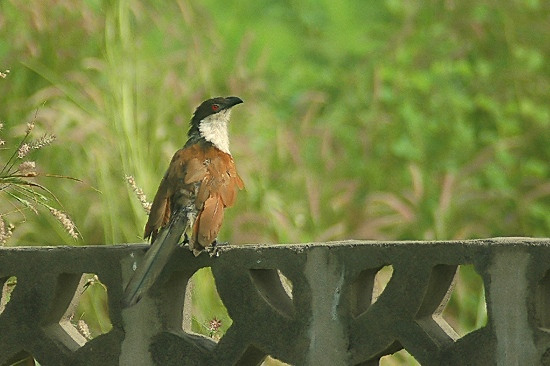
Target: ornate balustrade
329,316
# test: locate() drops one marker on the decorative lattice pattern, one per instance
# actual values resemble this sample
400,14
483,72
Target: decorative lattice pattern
304,304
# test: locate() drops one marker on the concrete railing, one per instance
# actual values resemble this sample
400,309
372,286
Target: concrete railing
327,317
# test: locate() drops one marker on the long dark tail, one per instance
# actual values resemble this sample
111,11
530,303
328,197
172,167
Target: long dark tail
155,259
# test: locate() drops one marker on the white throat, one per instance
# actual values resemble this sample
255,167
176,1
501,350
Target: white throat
214,129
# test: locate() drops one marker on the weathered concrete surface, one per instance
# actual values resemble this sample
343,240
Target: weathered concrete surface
515,342
330,318
327,331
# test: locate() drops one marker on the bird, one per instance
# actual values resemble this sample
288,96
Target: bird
200,182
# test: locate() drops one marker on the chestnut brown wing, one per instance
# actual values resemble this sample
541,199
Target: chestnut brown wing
160,209
218,190
185,169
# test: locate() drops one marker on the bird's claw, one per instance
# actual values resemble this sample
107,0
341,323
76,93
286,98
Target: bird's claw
213,250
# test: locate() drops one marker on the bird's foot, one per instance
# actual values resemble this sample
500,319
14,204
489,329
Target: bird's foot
213,250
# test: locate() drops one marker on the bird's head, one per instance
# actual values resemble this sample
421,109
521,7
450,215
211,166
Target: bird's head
210,121
214,106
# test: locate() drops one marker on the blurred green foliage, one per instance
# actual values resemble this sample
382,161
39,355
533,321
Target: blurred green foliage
378,120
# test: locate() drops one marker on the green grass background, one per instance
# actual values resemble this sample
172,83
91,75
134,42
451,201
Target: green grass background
375,120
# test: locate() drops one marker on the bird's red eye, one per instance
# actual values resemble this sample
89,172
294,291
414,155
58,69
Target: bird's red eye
215,107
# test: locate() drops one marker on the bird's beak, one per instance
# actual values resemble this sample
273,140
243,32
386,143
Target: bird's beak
232,101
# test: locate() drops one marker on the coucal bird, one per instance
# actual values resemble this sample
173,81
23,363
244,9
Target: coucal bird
199,184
